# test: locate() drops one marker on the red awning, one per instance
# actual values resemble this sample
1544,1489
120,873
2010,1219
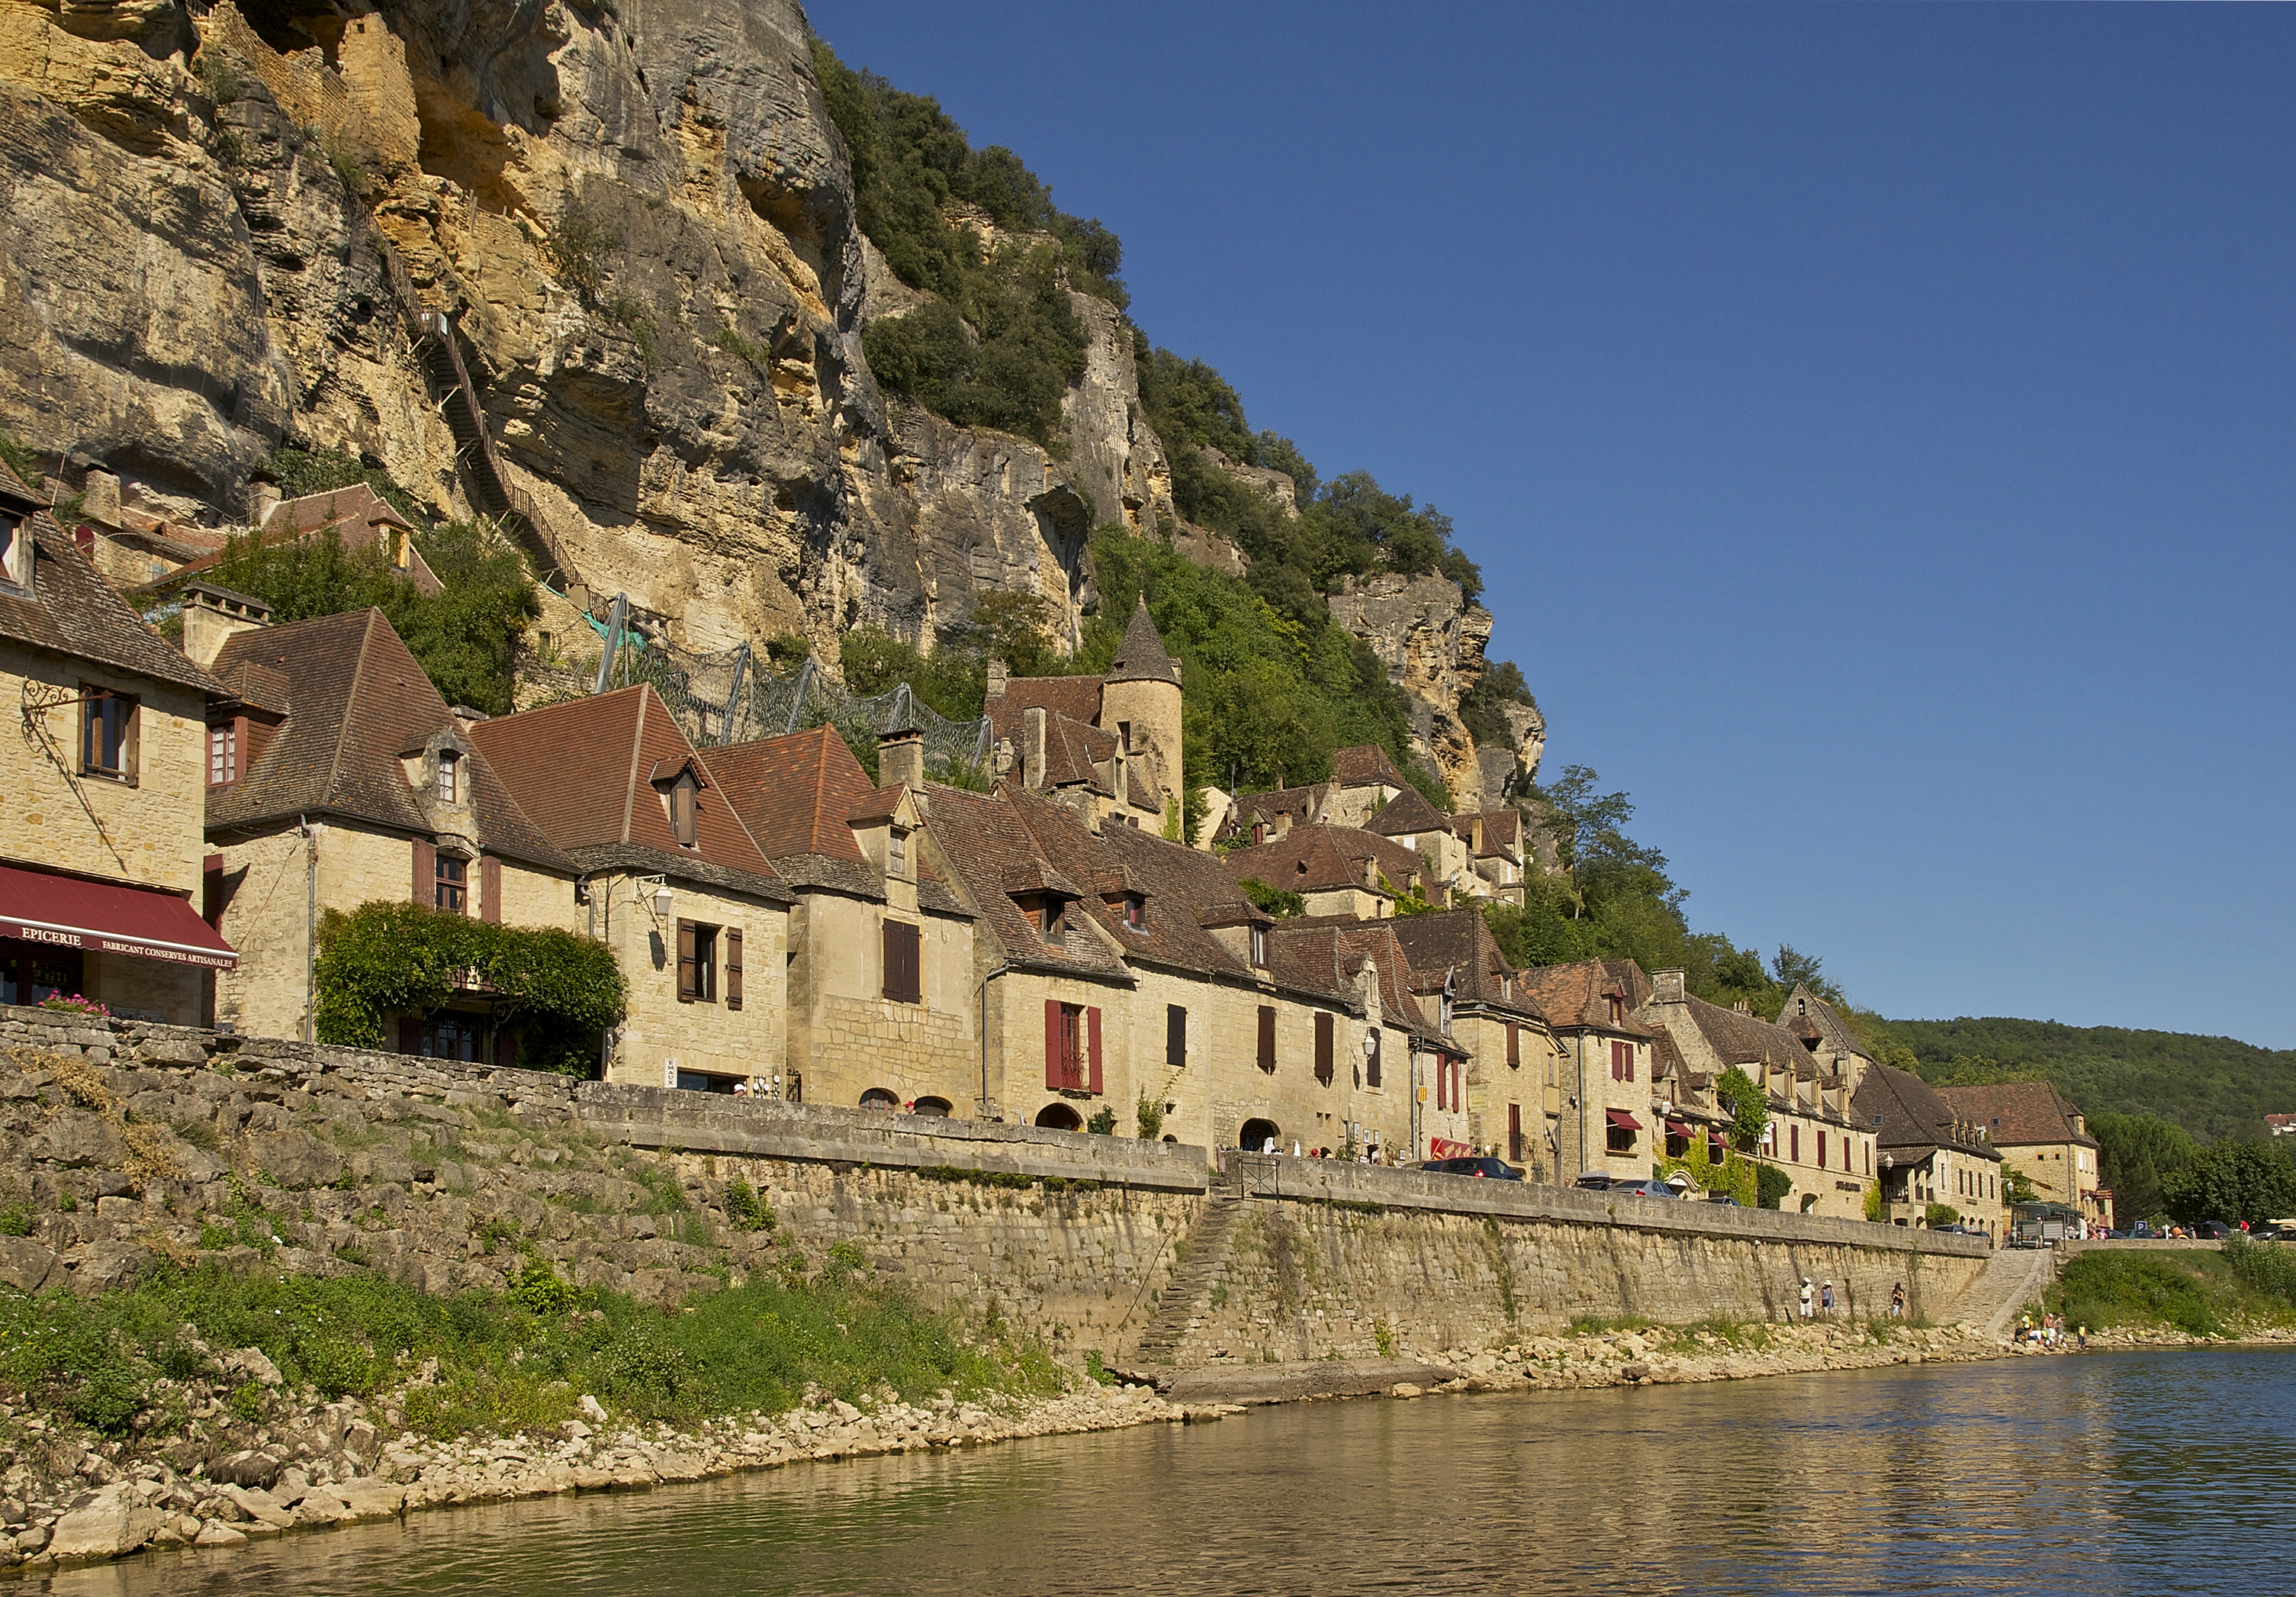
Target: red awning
1676,1128
143,922
1622,1120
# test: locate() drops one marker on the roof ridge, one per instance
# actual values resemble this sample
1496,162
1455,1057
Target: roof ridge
630,776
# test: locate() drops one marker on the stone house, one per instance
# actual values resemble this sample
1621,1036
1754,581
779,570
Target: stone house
1364,781
1495,846
1601,1064
357,515
1338,871
1410,820
129,538
671,881
100,850
1513,1106
1814,1135
1109,746
881,968
2043,1137
1408,1090
1931,1152
335,776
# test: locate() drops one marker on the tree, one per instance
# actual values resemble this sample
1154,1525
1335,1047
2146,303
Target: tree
1749,1106
2138,1153
1793,966
2017,1187
1775,1184
2233,1181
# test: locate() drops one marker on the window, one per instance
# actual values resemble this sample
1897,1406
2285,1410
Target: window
1820,1149
1267,1038
1617,1008
450,884
1259,953
1324,1064
697,963
15,549
685,808
896,853
1622,1060
1175,1037
108,734
450,776
904,973
445,1037
1514,1046
223,755
1794,1144
1053,928
1617,1139
1072,1047
1135,911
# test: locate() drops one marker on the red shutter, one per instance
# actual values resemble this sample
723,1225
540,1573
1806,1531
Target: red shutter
1323,1047
1091,1021
688,988
1055,1036
211,891
490,889
733,968
426,873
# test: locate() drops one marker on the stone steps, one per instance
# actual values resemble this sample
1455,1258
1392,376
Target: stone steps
1188,1292
2012,1279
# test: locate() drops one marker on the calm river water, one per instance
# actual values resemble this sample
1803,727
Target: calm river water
2122,1473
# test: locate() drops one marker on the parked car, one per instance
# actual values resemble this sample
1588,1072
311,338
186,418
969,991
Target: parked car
1497,1170
1957,1231
2215,1230
1644,1189
1724,1199
1596,1181
2273,1233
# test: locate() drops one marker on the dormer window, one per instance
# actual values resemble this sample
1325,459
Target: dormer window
1051,916
1134,909
896,853
15,550
222,754
1259,832
1259,947
450,776
685,808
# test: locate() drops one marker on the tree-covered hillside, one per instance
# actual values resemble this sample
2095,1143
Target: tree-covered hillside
2216,1088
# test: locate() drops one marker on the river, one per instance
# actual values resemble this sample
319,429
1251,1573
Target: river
2136,1473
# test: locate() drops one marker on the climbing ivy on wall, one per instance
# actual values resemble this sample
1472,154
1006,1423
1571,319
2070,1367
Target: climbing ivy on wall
382,960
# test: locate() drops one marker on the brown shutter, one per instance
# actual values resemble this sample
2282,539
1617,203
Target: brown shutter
1266,1038
490,889
732,967
688,989
1091,1021
1055,1037
1175,1037
1371,1065
1323,1047
1514,1046
904,973
211,891
426,873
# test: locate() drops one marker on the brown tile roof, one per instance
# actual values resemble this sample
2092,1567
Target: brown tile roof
1502,830
1172,879
1303,805
2018,1114
1076,697
357,700
354,512
1142,656
585,769
1320,858
1460,941
1365,765
1914,1118
983,838
794,793
73,612
1407,814
1578,994
1804,1007
1745,1039
1074,751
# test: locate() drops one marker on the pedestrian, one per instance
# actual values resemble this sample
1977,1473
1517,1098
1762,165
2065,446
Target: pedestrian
1825,1300
1898,1301
1805,1297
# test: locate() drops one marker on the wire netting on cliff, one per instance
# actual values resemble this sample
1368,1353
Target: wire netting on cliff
731,695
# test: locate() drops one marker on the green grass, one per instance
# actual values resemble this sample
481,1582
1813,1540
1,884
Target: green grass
507,1360
2200,1293
1598,1325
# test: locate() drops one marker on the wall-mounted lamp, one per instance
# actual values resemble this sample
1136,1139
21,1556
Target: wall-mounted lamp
661,900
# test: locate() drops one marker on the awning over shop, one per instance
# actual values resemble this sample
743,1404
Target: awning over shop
142,922
1622,1120
1676,1128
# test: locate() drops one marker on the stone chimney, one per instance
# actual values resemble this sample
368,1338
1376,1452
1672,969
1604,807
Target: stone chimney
1666,986
100,500
999,676
213,617
1032,747
901,759
464,716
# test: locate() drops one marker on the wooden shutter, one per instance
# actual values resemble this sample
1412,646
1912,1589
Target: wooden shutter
1092,1023
688,974
490,889
903,981
1514,1131
1371,1065
732,967
1323,1047
131,741
211,891
1514,1046
1266,1038
426,873
1175,1037
1055,1046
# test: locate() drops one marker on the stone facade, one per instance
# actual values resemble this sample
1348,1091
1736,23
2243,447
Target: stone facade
663,1035
847,1038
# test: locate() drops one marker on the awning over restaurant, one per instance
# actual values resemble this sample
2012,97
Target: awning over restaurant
1676,1128
1622,1120
106,918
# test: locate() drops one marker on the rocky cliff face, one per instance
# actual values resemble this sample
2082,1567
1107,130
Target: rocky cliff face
641,226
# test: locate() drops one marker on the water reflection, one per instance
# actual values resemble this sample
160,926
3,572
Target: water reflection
2124,1473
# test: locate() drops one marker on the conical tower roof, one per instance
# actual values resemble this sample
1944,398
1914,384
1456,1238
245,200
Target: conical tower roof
1142,657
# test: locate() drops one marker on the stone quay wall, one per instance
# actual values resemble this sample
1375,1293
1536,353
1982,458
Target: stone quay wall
1073,1237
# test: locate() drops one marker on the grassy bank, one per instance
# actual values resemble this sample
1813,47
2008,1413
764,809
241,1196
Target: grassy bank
158,1363
2200,1293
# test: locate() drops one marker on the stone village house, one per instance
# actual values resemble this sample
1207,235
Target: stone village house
1931,1153
100,850
1513,1105
2044,1137
1108,746
1601,1064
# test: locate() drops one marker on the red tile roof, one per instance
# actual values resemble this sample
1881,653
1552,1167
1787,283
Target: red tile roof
1578,994
2018,1114
1317,858
1407,814
795,793
71,611
1365,765
1076,697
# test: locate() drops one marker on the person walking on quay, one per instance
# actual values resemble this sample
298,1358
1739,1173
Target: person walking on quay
1825,1300
1898,1301
1805,1297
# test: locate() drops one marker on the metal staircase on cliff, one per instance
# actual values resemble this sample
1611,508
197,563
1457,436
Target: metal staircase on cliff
1188,1293
483,479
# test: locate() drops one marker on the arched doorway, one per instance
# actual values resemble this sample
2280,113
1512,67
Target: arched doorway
879,1098
938,1107
1257,1134
1060,1117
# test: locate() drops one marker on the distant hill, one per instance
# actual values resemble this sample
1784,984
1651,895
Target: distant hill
2217,1087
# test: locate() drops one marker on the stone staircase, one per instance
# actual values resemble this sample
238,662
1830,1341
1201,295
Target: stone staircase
1188,1293
2011,1279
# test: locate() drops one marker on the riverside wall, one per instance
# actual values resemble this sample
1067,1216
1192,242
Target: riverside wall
440,1173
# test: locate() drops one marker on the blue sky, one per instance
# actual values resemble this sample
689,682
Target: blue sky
1874,422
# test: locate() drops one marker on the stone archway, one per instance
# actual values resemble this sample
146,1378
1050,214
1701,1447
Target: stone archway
1256,1134
1060,1117
881,1099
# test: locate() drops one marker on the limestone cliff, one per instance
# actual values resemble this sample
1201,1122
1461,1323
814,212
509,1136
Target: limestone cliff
641,228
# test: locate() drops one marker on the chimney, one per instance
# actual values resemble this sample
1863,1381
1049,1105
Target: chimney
1032,747
901,759
1666,986
997,678
100,500
213,617
464,716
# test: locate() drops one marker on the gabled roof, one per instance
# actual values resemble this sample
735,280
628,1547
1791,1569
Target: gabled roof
1502,830
356,700
1579,994
1741,1039
1323,858
1407,814
1076,697
1142,657
1171,879
73,612
794,793
1915,1119
986,840
1365,765
1303,805
587,768
1460,942
2019,1114
353,513
1805,1009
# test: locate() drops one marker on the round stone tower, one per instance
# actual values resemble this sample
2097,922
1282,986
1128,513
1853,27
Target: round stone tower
1142,693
